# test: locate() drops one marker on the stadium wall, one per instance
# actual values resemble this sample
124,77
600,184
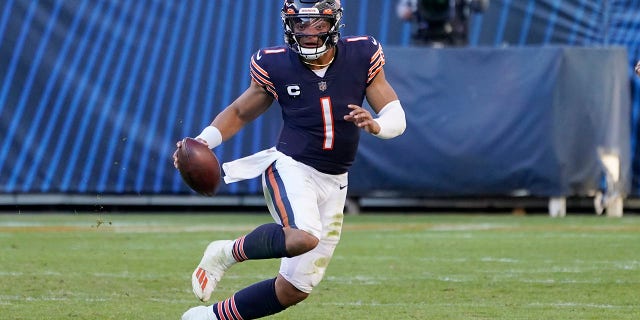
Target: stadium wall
94,94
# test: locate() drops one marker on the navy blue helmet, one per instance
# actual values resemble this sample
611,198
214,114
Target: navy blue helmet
296,11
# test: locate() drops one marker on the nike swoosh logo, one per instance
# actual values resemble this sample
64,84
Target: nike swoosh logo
374,41
342,187
258,55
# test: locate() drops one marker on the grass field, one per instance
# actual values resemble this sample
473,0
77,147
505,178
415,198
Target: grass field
99,266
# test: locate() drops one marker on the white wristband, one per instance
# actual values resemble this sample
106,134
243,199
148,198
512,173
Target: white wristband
211,135
391,120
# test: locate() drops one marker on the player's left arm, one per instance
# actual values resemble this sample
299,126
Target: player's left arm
384,101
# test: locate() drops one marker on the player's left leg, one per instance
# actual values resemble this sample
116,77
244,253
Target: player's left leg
255,301
304,272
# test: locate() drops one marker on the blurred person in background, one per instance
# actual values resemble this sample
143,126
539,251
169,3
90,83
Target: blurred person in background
440,23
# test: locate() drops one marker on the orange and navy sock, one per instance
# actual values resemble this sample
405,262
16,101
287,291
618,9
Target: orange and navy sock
255,301
265,242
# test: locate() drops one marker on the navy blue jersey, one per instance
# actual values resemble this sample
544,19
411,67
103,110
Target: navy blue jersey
314,130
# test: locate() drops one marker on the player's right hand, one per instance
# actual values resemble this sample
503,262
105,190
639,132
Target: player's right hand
203,141
175,154
179,145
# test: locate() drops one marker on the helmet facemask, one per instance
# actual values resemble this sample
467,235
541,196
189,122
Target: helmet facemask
296,17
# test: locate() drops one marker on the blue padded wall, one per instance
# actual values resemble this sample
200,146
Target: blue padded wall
94,94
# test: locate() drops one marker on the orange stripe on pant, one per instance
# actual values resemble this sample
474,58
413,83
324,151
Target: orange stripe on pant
282,211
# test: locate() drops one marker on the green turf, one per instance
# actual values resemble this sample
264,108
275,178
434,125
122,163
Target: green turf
91,266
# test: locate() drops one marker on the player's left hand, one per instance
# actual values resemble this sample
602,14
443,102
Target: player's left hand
362,118
637,68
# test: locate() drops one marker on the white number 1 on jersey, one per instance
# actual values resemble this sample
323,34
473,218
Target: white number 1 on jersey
327,117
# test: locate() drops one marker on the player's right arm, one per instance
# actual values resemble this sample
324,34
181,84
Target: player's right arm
253,102
248,106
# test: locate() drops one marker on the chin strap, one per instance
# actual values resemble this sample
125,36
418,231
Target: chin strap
317,64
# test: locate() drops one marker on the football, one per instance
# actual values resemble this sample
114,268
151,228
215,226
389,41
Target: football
199,167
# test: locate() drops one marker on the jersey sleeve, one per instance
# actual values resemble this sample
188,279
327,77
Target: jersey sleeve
260,75
370,50
377,60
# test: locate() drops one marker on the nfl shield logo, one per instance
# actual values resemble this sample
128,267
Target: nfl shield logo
322,85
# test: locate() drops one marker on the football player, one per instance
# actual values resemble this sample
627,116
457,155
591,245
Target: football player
320,81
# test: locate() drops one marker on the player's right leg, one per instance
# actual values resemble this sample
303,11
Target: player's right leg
216,260
292,202
265,242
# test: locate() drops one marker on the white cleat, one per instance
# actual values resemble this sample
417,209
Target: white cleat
209,272
199,313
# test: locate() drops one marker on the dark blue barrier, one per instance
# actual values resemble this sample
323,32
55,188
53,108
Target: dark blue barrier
511,121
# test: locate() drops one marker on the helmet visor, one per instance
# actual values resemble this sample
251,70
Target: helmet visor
310,32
